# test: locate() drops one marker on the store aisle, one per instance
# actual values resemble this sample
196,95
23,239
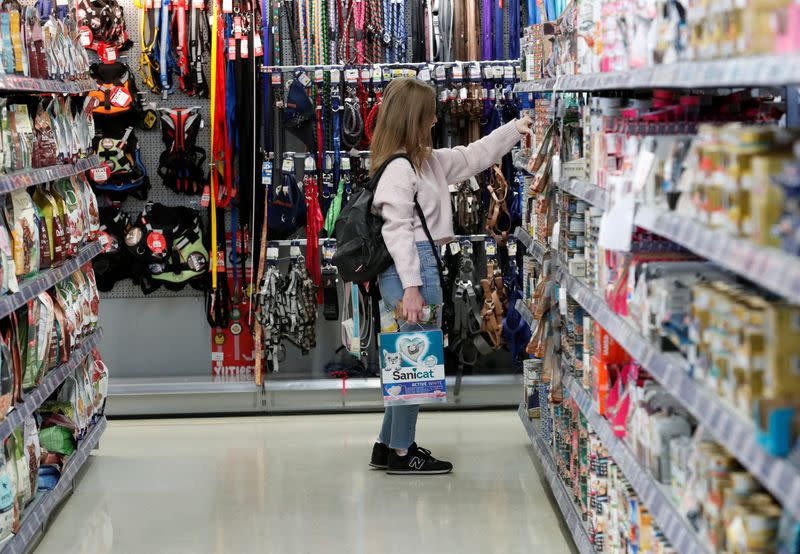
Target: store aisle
301,484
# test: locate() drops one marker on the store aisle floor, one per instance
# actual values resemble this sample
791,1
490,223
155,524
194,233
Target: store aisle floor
301,484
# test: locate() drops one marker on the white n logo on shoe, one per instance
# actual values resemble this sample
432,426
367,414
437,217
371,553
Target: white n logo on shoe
416,463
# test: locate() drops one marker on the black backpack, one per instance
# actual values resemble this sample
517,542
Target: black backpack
361,253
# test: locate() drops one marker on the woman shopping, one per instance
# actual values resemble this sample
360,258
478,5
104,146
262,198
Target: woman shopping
412,284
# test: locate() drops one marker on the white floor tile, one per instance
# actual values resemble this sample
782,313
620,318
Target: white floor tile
301,484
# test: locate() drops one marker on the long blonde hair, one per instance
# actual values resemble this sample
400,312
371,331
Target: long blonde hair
406,113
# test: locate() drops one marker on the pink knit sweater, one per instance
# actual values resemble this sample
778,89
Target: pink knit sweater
394,196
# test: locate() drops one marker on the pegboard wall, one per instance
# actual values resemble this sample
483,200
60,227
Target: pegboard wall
151,145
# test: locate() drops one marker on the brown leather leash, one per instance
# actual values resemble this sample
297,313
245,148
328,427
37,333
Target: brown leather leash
495,303
498,220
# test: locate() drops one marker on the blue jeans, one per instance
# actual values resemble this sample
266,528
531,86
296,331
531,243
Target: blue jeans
400,422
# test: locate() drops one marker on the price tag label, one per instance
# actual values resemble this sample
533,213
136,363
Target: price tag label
304,79
86,36
100,174
424,75
227,6
232,49
244,47
344,163
156,242
258,46
351,76
336,76
120,97
272,251
205,198
109,54
455,248
237,26
294,250
491,247
288,165
440,73
474,72
512,247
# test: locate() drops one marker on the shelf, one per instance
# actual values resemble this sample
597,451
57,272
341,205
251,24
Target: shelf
525,312
563,497
33,287
588,192
20,83
736,434
767,267
303,242
52,380
29,177
752,71
400,65
535,248
133,386
37,514
672,523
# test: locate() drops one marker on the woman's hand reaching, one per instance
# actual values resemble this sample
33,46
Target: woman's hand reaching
412,305
524,125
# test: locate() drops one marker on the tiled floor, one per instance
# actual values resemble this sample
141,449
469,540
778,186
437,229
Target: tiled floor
301,484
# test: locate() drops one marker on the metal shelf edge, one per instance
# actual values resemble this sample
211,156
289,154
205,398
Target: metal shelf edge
777,475
45,280
29,177
674,525
769,70
118,387
588,192
768,267
568,509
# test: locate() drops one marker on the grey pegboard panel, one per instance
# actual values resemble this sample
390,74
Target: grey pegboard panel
151,146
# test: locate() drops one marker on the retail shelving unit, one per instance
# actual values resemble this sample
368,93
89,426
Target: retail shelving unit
22,179
654,495
38,514
755,71
563,497
777,475
768,268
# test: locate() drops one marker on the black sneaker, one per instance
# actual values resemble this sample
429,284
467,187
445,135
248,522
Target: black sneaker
417,461
380,456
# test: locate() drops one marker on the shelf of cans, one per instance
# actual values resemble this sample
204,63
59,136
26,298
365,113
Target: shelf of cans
563,497
34,398
20,83
672,370
22,179
652,493
38,514
770,268
34,286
